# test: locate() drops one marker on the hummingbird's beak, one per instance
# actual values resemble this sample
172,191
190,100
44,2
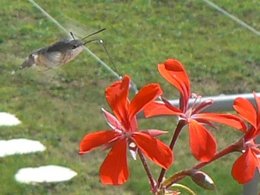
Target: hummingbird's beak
93,33
86,42
92,40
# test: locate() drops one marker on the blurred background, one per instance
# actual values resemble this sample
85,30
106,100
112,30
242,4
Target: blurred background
59,106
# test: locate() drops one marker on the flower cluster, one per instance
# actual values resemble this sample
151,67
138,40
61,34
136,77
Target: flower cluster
124,134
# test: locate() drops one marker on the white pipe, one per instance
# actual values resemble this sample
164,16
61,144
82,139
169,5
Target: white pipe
221,102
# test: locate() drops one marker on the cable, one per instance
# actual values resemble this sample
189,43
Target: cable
242,23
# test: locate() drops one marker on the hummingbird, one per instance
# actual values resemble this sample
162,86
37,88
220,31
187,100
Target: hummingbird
59,53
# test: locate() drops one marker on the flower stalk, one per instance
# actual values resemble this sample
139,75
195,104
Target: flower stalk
181,174
148,172
176,134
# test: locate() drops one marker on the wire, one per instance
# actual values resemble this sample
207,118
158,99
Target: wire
242,23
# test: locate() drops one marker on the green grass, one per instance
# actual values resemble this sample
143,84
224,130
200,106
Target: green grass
59,106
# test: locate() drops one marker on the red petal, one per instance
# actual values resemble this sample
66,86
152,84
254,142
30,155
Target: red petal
112,121
174,72
177,67
246,110
202,105
117,98
146,95
244,167
227,119
96,139
114,169
154,149
202,143
154,132
171,106
158,108
133,125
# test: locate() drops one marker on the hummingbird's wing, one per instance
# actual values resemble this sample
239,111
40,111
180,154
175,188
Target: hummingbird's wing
60,46
51,59
63,52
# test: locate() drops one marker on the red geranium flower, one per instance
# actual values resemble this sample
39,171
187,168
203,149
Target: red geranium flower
245,166
202,143
125,134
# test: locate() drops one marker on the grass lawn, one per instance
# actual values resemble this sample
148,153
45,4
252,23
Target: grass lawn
58,107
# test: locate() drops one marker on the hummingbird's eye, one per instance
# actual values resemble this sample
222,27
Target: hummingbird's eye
74,46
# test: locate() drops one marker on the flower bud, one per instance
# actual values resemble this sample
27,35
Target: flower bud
202,179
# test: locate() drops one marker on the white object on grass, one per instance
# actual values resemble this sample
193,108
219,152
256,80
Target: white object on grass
20,146
44,174
7,119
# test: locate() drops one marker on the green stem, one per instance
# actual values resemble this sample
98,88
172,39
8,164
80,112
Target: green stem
177,131
180,175
232,148
148,172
